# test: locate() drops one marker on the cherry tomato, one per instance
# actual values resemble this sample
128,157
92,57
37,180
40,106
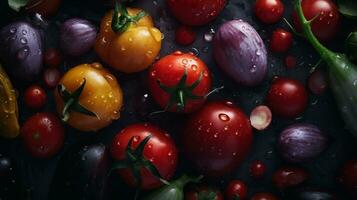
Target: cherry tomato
348,177
217,138
179,82
281,41
184,35
257,169
51,77
203,192
286,177
317,82
269,11
35,97
287,97
52,58
132,50
160,151
236,190
264,196
195,13
95,105
46,8
42,135
327,22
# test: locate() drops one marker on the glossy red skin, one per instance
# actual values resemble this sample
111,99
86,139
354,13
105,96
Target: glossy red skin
287,98
195,13
169,71
287,177
42,135
236,188
264,196
184,35
348,177
193,193
326,26
160,150
281,41
257,169
269,11
52,58
317,82
217,138
35,97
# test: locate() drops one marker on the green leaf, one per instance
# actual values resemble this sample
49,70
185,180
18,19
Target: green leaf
348,8
140,148
17,4
80,109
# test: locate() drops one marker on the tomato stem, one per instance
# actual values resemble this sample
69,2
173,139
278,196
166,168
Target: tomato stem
122,20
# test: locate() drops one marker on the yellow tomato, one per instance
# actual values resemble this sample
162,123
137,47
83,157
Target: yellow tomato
101,95
130,51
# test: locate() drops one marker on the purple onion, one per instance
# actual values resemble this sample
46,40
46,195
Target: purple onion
77,36
301,142
240,52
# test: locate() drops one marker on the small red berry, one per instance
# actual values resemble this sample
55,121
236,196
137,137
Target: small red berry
236,190
269,11
257,169
51,77
184,35
286,177
281,41
52,58
35,97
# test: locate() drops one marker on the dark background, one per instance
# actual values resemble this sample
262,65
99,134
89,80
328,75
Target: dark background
322,111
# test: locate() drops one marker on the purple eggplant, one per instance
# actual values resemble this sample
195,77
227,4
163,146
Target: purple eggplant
81,173
21,51
240,52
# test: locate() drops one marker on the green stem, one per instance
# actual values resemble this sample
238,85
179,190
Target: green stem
121,19
306,26
184,179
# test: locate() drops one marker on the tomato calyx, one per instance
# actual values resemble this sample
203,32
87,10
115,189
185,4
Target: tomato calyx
135,161
71,101
236,197
121,18
180,92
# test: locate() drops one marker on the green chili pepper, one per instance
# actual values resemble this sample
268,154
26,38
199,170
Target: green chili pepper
342,74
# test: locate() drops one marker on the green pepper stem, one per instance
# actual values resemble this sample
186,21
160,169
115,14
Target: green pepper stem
306,26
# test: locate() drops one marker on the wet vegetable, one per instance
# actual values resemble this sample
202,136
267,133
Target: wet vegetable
287,177
81,173
11,185
21,51
77,36
260,117
351,45
240,52
301,142
348,8
236,189
199,192
9,124
128,40
88,97
43,7
172,191
317,82
342,75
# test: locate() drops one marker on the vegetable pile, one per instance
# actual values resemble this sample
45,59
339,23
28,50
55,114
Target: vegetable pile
118,112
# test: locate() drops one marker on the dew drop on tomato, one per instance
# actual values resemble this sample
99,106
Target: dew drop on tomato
223,117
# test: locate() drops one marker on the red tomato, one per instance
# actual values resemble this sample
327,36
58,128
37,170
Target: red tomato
281,41
317,82
264,196
42,135
160,151
236,190
184,35
217,138
289,177
326,25
52,58
269,11
287,97
35,97
195,13
348,177
257,169
203,192
169,71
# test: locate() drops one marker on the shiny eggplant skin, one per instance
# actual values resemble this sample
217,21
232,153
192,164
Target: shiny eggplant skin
11,185
21,51
81,173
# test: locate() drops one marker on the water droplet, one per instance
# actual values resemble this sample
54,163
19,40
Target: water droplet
23,53
184,61
195,51
223,117
253,69
24,32
258,53
177,53
153,73
13,30
23,40
208,37
194,67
